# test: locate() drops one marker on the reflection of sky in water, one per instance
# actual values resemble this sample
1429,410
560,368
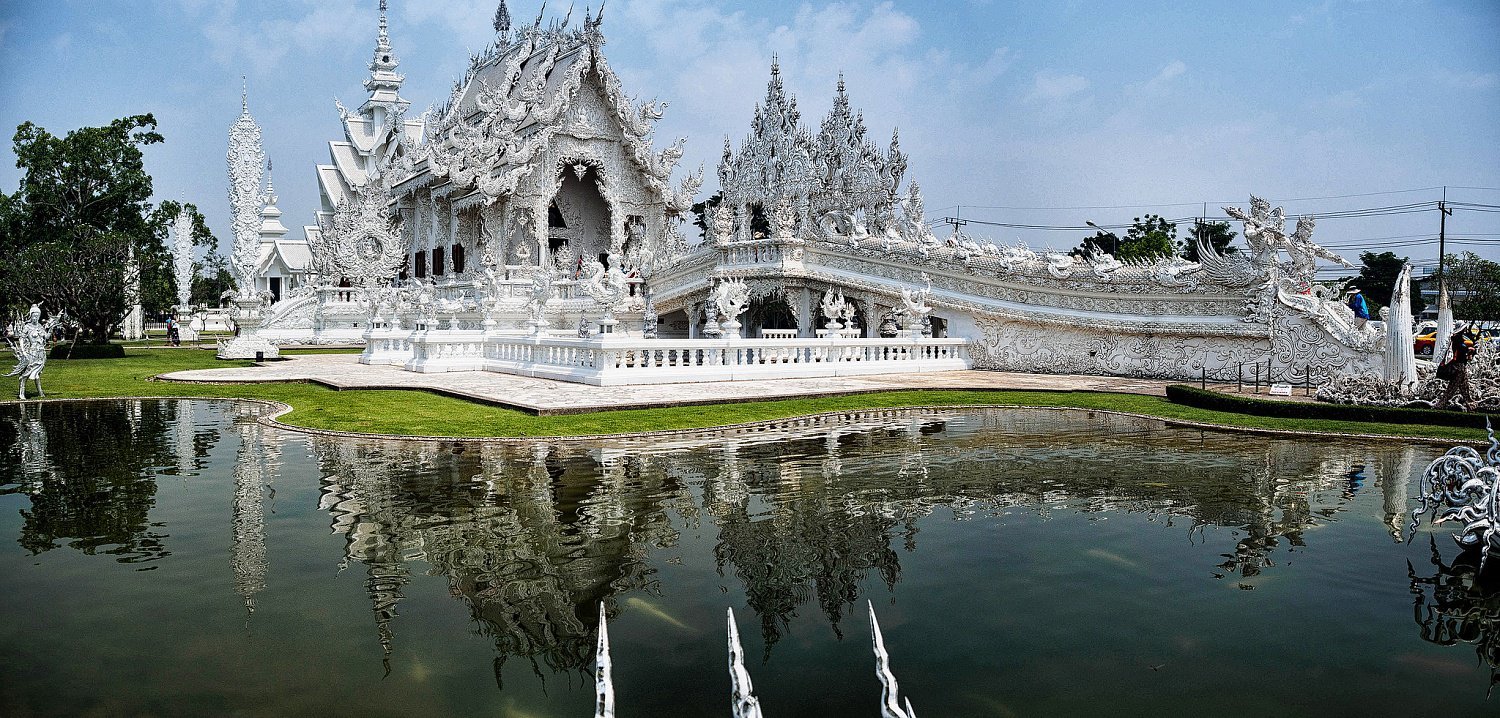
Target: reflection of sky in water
1021,561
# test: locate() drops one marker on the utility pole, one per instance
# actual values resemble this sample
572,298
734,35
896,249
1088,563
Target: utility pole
1443,213
957,220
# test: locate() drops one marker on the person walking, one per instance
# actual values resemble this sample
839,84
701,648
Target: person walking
1456,371
174,337
1359,307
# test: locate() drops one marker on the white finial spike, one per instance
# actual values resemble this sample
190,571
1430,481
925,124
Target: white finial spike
244,95
744,704
604,687
890,707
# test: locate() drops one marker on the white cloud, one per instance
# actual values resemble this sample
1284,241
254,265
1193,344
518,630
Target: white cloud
1052,86
322,28
1468,80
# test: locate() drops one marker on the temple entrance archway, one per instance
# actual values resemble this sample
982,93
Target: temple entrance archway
578,216
769,312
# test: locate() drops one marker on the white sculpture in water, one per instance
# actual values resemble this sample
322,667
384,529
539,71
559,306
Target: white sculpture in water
743,703
30,348
1463,486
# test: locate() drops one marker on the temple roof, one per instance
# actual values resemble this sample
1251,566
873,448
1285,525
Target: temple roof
516,94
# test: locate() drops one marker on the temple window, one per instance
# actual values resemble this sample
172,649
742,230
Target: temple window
458,259
437,261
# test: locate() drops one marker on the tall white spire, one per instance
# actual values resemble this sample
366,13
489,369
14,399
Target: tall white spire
246,161
384,84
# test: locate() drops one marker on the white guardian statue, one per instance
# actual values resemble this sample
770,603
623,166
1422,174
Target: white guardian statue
30,348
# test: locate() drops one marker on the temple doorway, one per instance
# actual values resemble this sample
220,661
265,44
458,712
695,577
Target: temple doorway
578,217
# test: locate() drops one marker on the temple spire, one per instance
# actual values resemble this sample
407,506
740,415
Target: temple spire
385,38
502,19
244,96
384,84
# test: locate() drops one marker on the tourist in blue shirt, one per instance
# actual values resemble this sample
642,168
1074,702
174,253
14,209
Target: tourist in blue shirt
1361,310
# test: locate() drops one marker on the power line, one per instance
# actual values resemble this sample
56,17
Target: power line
1221,202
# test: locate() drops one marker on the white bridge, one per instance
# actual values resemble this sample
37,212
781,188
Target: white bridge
609,360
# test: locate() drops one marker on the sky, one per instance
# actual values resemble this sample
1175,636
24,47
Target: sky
1041,114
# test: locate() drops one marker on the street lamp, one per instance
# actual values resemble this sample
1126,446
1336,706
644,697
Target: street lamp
1114,238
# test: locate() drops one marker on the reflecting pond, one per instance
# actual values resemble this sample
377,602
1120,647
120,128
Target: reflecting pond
178,557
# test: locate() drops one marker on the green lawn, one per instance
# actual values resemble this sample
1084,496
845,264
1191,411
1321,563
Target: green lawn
426,414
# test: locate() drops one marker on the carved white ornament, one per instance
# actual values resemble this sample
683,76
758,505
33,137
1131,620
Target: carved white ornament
247,162
182,256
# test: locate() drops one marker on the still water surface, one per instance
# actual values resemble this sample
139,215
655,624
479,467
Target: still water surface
178,558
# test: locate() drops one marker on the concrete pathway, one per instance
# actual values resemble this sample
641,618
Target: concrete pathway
546,396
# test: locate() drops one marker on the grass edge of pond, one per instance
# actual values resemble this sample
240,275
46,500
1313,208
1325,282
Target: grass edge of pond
425,413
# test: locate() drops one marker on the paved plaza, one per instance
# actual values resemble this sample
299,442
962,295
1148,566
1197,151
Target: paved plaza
546,396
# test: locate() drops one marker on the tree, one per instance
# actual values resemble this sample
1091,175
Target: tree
1101,243
211,279
701,210
1377,281
1216,234
80,215
1148,239
760,224
1474,287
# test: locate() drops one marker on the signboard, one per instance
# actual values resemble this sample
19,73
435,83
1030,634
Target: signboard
1281,390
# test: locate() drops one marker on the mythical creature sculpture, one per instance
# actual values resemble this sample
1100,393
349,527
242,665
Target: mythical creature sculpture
834,307
916,307
731,297
1463,486
783,218
607,286
723,229
542,278
30,348
711,327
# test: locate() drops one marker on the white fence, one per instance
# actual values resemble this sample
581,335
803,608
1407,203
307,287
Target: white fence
614,361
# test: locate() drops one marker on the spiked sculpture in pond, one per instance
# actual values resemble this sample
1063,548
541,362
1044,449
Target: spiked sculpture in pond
1463,486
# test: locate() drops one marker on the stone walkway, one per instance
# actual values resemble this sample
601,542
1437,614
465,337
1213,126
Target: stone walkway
546,396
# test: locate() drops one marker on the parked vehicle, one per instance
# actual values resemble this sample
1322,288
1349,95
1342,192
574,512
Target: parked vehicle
1425,340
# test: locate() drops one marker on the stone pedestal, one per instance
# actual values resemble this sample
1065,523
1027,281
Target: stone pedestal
185,330
247,343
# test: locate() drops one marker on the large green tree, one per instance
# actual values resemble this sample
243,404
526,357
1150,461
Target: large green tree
1474,287
1215,234
1147,239
79,220
1377,280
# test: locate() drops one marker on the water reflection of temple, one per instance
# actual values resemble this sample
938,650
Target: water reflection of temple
531,540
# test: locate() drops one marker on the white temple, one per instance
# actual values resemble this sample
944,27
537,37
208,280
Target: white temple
530,226
283,264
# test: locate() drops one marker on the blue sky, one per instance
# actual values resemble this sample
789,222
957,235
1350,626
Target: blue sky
1039,113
